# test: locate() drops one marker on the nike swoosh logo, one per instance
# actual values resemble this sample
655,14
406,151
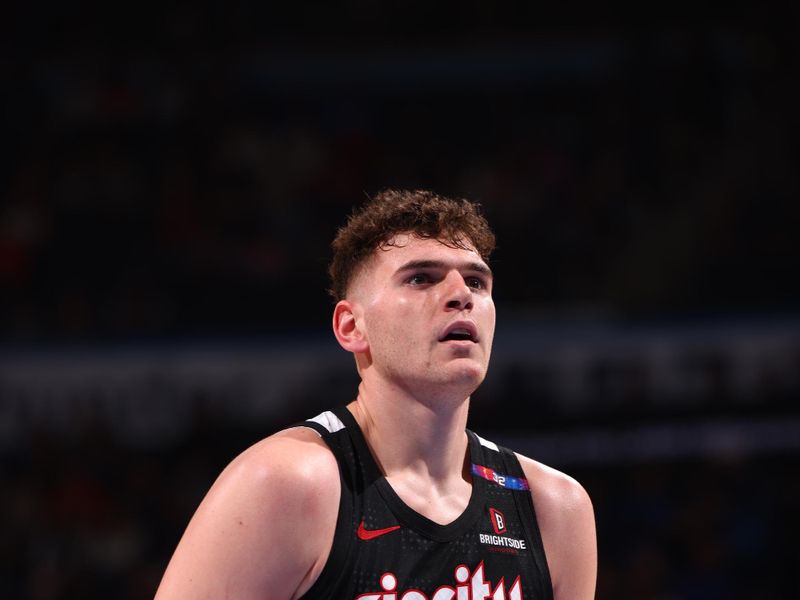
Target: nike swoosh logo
371,534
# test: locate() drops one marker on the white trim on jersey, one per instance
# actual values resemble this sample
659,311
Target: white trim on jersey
488,444
329,421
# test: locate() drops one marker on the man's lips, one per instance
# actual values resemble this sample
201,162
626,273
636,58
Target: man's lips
460,331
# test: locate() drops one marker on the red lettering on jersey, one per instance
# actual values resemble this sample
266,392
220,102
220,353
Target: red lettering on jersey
470,586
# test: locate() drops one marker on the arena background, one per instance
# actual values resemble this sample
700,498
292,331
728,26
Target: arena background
171,178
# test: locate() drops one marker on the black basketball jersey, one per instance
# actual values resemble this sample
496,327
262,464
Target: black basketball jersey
384,550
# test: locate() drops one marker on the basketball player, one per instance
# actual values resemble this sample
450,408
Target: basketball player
391,497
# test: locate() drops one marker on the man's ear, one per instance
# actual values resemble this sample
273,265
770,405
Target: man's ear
346,328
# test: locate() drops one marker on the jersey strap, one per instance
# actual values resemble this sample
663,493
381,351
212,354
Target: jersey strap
506,481
525,506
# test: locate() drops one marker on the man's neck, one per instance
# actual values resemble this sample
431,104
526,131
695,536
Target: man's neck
409,433
421,447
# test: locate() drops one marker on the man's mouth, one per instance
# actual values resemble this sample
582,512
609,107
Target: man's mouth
461,333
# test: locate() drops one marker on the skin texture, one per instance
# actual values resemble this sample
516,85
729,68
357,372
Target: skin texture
266,526
401,305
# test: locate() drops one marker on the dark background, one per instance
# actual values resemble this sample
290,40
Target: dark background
172,176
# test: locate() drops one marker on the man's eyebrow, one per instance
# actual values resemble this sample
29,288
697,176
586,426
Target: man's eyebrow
438,264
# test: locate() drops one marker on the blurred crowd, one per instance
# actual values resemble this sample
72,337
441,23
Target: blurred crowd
170,186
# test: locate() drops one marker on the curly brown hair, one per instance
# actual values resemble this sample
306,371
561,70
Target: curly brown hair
455,222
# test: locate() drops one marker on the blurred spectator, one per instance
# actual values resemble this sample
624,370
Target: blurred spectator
638,172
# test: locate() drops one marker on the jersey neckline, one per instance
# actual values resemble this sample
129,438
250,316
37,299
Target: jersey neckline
406,515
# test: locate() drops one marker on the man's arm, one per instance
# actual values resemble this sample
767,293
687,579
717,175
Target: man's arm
265,528
566,520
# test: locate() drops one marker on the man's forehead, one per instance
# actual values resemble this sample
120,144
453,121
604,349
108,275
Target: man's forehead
409,243
418,253
402,246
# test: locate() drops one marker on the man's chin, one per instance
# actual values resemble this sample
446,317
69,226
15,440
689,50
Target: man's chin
466,373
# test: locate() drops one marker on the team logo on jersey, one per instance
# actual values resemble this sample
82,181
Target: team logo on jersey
469,586
498,541
498,521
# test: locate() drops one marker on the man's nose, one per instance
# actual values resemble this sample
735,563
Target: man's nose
458,293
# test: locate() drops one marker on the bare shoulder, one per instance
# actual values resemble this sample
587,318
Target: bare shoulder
293,469
565,516
554,491
266,525
296,458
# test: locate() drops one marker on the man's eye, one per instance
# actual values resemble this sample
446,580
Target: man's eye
418,279
475,283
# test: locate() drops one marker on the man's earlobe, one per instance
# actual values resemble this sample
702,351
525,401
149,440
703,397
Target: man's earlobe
346,328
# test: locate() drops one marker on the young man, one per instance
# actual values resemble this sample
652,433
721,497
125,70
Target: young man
391,497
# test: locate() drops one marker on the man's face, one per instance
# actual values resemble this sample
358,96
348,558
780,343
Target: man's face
427,314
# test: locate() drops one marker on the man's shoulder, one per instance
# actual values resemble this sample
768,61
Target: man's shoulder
551,486
276,501
565,517
292,457
286,473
